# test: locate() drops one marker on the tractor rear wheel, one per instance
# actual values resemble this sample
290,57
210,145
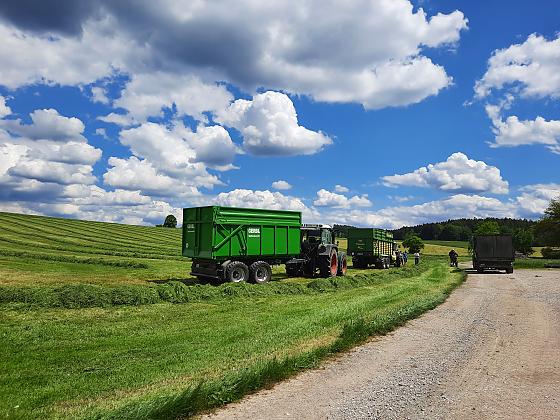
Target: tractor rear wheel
342,264
328,265
237,272
260,272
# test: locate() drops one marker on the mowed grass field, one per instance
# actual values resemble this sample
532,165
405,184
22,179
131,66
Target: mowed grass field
102,320
42,250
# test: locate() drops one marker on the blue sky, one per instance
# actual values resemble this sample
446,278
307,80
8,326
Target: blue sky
383,113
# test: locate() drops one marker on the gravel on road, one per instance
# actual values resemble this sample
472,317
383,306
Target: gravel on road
492,350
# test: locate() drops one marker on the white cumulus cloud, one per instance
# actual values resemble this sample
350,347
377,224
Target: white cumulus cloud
530,69
330,199
281,185
269,126
458,173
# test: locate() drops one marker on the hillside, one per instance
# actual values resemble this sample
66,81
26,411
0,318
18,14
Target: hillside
37,249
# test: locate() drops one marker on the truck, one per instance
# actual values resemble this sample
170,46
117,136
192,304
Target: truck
241,244
371,246
492,252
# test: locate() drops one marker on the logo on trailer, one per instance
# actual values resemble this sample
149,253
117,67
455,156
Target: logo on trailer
253,232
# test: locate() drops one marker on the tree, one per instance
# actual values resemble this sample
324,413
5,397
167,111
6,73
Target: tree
523,240
413,243
548,227
488,227
450,232
170,221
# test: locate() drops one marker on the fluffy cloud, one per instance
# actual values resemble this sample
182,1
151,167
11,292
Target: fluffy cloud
136,174
457,173
39,159
281,185
147,94
453,207
341,189
98,94
513,132
531,68
4,109
534,199
47,124
278,45
123,120
269,126
181,153
259,199
330,199
527,70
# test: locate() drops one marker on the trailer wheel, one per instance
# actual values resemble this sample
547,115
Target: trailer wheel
342,264
260,272
237,272
328,265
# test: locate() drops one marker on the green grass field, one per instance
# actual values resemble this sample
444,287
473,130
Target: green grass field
102,320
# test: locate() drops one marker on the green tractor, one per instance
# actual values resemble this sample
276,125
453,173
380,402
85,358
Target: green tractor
319,256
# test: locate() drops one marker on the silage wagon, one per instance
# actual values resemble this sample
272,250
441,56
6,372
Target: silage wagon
240,244
371,246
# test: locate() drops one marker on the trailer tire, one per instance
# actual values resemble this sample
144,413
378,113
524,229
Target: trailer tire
260,272
237,272
328,264
342,264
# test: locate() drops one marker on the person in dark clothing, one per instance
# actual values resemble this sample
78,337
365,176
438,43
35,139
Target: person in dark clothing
453,257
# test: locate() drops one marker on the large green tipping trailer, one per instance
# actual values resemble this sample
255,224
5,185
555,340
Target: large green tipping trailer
239,244
371,246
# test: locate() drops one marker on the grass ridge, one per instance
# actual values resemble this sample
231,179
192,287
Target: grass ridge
89,295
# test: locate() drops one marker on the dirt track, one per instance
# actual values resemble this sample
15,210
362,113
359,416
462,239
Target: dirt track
492,350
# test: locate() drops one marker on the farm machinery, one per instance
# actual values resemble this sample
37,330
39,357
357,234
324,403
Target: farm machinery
238,244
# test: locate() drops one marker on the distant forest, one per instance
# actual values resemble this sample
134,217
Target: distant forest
451,230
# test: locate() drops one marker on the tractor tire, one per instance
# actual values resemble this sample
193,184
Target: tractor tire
342,264
236,272
328,264
260,272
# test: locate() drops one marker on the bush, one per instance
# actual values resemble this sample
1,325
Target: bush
551,253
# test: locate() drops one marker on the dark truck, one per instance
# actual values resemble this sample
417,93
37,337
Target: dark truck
493,252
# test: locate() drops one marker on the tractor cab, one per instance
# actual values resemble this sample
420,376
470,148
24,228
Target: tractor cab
314,234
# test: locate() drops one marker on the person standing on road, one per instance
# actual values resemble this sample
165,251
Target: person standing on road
416,258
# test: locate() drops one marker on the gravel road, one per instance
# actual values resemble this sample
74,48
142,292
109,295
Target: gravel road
492,350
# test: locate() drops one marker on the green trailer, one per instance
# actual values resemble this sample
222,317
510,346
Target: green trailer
371,246
240,244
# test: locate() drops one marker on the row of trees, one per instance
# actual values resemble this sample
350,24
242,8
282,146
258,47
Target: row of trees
459,229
